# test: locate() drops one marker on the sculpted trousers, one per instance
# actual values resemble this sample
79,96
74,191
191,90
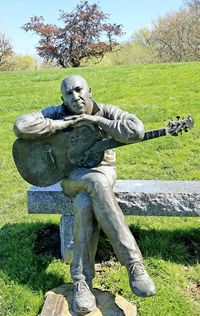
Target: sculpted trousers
95,207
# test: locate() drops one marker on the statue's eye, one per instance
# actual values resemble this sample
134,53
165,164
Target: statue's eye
78,89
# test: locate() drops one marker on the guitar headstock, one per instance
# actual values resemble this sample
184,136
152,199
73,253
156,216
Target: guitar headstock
176,127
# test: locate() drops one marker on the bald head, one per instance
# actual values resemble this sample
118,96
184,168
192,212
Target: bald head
71,80
76,95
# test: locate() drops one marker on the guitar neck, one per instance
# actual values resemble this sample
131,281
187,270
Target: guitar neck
154,134
109,143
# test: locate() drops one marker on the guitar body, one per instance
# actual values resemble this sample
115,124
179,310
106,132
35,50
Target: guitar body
48,160
45,161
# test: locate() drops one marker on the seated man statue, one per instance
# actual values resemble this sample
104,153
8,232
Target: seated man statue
95,205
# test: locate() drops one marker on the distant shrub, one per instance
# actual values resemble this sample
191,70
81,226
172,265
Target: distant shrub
23,62
126,54
132,54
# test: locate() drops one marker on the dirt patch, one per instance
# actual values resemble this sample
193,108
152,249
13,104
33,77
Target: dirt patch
47,241
105,251
197,289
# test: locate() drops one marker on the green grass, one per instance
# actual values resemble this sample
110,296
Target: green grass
155,93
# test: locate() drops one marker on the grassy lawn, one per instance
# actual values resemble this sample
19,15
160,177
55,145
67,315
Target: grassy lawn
171,246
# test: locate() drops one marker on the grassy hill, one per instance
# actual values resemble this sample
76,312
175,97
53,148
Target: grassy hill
155,93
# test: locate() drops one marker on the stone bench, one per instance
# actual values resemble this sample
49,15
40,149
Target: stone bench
135,197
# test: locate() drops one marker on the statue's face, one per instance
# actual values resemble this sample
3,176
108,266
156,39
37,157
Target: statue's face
76,95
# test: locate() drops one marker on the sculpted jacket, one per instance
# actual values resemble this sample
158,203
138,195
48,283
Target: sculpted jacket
123,126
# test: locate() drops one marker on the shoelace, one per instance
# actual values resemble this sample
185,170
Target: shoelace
81,286
137,269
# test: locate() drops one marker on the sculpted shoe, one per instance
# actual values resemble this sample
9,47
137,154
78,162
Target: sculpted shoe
140,282
83,301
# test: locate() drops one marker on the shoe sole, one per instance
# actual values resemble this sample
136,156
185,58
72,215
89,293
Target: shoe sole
83,310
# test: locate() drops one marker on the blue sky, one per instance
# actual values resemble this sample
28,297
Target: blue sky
132,14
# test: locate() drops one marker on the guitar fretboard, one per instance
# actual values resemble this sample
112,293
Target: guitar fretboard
154,134
109,143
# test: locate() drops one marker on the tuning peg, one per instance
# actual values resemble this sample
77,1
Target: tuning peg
185,127
172,124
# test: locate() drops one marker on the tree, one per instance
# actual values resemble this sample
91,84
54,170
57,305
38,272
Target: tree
80,38
175,37
169,36
194,5
142,37
5,52
193,29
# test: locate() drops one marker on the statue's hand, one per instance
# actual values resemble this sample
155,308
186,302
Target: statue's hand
80,120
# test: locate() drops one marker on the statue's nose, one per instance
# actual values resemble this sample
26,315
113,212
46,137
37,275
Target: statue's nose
75,95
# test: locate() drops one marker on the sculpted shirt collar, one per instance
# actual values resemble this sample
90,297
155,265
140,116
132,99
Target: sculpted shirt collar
95,109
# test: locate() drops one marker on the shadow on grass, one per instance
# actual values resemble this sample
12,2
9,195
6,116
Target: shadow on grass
26,250
177,245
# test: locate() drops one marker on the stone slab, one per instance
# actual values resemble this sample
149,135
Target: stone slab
66,237
135,197
48,200
58,302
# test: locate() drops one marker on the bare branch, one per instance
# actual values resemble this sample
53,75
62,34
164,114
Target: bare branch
5,52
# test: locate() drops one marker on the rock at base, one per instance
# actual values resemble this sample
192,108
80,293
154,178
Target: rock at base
58,302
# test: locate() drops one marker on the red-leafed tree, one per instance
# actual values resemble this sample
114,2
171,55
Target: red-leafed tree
86,33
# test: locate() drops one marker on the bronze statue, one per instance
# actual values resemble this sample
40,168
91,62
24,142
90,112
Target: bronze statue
95,205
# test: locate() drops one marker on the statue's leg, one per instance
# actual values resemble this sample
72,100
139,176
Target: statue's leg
106,210
111,219
86,233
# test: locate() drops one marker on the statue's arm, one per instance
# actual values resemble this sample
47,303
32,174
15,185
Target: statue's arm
122,126
35,125
127,128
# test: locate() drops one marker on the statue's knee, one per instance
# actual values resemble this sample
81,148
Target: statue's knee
97,182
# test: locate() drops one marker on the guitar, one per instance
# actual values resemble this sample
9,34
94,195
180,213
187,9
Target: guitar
46,161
